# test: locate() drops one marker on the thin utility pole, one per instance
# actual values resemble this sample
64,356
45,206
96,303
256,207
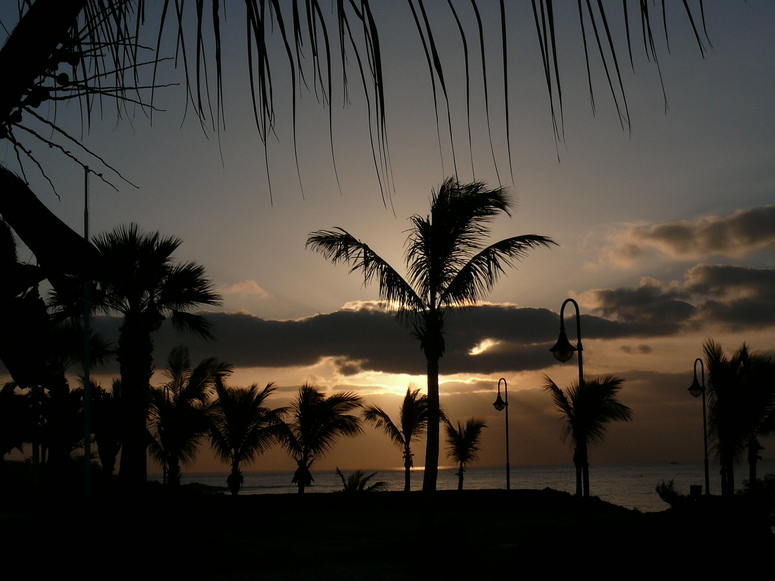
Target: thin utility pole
86,363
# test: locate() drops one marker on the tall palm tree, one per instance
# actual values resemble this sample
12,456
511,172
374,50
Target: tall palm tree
142,283
242,427
464,442
412,423
741,403
588,409
316,422
179,410
448,266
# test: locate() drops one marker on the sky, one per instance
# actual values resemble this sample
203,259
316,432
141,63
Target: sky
665,231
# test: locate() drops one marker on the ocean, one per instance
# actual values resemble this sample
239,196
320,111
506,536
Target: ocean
628,485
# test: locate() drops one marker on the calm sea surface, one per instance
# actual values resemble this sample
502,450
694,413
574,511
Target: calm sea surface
628,485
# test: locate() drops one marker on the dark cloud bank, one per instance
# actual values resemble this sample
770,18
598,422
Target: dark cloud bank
518,339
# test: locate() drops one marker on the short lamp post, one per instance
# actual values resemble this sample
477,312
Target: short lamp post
502,403
697,389
563,350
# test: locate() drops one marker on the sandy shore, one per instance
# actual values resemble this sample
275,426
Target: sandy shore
477,534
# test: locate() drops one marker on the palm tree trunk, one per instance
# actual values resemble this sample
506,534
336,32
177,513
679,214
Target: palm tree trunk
753,457
460,472
727,475
407,469
135,357
585,476
584,466
58,422
432,442
173,472
234,481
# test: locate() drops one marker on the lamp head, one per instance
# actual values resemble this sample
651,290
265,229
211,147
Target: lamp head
696,389
499,404
563,350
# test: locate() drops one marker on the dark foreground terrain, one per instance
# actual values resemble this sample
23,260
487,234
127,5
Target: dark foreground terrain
477,534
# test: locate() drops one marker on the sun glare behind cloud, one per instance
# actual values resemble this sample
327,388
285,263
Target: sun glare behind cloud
483,346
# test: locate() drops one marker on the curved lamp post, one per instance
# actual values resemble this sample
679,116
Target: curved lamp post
500,405
697,389
563,350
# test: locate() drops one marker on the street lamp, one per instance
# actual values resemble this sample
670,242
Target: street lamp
500,405
697,389
563,350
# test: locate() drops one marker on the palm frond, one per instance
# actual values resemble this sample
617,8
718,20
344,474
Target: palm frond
478,276
317,421
338,245
589,408
381,420
464,441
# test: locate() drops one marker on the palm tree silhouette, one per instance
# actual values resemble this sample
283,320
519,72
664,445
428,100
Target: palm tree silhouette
448,266
412,423
316,421
143,284
464,442
588,409
741,403
18,420
358,481
179,410
242,427
105,421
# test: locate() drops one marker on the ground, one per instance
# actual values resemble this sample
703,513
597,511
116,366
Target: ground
476,534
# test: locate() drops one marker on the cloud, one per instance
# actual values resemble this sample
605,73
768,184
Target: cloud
369,339
652,303
732,235
737,297
733,298
244,289
486,339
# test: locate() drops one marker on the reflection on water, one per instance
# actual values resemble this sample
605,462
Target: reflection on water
628,485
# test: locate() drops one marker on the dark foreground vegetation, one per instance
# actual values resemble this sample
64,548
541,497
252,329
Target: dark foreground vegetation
191,534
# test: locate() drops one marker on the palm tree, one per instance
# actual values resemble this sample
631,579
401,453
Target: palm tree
179,410
316,421
18,422
358,481
143,284
464,442
413,421
588,409
741,402
448,266
242,427
105,421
